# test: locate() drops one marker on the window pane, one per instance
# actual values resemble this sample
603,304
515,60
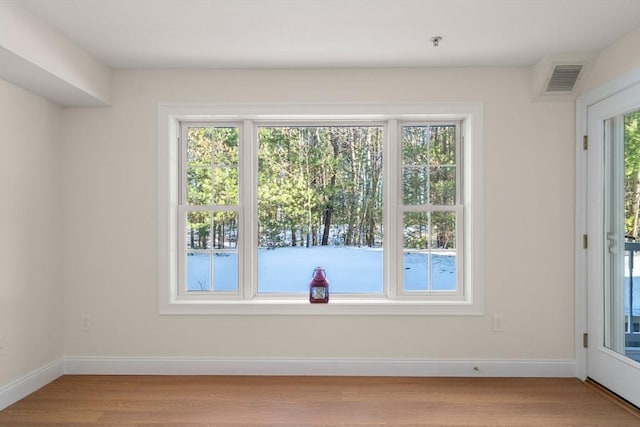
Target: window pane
199,182
442,185
416,251
442,145
198,230
415,185
225,271
225,255
212,251
212,166
415,145
225,146
429,165
199,146
429,255
217,145
631,292
443,230
320,204
198,272
443,251
225,188
225,230
349,269
225,163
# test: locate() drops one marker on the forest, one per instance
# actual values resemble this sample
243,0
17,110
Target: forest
320,186
632,175
212,179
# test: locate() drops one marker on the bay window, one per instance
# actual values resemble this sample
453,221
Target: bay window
387,204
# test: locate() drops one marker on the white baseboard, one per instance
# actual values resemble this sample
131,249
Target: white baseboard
317,366
31,382
22,387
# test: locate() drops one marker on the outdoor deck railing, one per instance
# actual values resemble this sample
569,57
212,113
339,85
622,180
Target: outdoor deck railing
632,337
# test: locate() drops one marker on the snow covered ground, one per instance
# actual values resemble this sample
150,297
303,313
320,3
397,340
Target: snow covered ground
349,269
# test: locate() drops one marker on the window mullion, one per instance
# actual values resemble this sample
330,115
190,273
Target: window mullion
459,164
182,249
461,264
210,251
392,214
429,252
248,210
182,147
181,211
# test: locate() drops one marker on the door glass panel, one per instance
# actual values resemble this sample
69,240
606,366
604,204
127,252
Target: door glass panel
632,231
622,216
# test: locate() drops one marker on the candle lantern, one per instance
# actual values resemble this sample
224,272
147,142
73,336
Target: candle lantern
319,287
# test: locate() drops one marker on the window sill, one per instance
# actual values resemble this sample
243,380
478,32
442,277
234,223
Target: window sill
336,307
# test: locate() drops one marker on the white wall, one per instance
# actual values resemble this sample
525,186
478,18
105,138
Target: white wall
78,213
619,58
109,188
31,291
37,57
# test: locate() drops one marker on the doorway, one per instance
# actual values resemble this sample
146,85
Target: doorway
613,235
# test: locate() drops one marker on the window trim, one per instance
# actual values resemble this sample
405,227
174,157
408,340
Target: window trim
469,113
458,208
280,122
184,208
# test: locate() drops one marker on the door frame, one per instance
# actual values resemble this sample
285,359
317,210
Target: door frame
583,103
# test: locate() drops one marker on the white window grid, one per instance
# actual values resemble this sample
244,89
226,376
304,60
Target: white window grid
470,300
457,208
247,287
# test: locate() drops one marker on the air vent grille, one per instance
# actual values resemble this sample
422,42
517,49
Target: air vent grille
564,78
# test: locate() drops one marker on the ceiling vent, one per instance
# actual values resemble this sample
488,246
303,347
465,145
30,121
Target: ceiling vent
559,77
564,78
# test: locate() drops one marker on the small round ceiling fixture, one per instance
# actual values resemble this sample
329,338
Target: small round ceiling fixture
436,40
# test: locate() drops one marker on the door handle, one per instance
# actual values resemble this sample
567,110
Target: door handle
613,243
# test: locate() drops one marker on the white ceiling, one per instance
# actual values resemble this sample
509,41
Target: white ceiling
335,33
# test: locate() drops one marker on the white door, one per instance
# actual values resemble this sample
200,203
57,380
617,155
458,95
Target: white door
613,222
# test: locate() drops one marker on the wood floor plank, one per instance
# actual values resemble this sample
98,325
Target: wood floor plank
169,401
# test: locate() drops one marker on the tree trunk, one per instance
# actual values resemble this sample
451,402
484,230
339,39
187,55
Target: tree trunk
328,212
314,236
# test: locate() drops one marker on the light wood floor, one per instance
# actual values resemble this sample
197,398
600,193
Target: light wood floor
316,401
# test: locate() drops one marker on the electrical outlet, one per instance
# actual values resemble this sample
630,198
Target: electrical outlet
498,323
85,322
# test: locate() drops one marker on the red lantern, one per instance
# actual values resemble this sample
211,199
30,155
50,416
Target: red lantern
319,287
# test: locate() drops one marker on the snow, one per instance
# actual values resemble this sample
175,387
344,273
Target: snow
225,271
349,269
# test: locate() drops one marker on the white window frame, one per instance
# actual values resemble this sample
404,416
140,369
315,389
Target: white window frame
457,208
289,121
184,208
469,301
